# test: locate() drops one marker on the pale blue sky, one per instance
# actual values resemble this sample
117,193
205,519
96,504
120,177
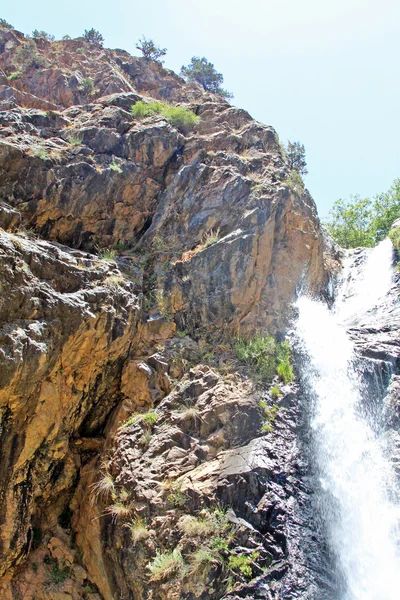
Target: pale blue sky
324,73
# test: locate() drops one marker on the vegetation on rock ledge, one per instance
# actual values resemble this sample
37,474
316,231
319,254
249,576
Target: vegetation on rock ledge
266,356
178,116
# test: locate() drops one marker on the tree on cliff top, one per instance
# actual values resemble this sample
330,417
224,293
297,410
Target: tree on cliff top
4,24
149,50
203,71
42,35
296,156
94,37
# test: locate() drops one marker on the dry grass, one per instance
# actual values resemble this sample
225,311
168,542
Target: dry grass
189,413
114,281
138,530
104,487
118,511
207,240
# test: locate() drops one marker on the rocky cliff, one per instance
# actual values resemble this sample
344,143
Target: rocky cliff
134,464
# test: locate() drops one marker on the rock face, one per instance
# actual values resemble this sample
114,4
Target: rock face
199,234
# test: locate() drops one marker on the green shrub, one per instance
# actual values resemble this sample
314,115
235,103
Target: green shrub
15,75
75,139
59,574
275,392
284,368
201,558
66,37
80,50
270,413
179,117
176,496
40,153
394,235
27,56
87,86
210,523
150,418
107,254
114,166
241,563
259,353
165,565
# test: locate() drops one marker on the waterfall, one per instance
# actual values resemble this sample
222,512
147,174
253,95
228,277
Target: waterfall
357,501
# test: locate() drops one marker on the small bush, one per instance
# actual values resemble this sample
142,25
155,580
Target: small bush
284,368
15,75
285,371
150,418
115,167
27,56
275,392
201,558
266,357
132,419
211,523
146,438
107,254
394,235
93,37
176,496
80,50
66,37
75,139
59,574
242,564
259,353
270,413
179,117
87,86
40,153
165,565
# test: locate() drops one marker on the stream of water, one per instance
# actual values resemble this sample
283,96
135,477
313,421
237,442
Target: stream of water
357,498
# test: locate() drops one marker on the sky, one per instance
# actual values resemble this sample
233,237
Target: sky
320,72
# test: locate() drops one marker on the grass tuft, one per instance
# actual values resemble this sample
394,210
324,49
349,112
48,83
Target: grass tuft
179,117
165,565
138,530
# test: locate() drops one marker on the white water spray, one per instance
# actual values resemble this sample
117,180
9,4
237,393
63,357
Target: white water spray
358,501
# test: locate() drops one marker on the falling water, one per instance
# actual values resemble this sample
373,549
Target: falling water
356,493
